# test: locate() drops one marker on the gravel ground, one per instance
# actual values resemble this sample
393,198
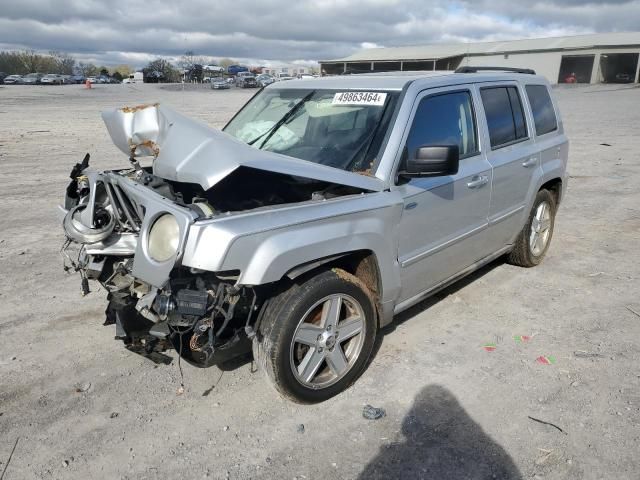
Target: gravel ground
80,406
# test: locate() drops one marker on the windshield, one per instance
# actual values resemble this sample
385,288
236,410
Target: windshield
335,128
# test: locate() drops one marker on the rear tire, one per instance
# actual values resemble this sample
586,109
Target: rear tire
535,237
315,338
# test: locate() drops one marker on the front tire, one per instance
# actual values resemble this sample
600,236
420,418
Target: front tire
315,338
534,239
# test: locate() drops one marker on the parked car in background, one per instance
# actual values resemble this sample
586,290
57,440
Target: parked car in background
77,79
3,76
264,80
135,77
32,79
66,79
213,68
92,80
235,69
281,77
305,76
246,80
51,79
13,80
219,83
623,78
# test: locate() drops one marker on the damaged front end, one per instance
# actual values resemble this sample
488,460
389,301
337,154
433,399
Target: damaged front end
154,302
128,229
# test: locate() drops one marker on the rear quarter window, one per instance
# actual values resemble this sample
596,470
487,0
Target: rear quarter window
544,116
505,115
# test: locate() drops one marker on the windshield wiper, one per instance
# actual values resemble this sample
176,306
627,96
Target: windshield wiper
285,118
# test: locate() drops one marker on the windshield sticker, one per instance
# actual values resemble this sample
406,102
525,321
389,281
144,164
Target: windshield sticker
359,98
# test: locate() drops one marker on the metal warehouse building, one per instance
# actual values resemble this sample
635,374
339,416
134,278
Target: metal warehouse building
609,57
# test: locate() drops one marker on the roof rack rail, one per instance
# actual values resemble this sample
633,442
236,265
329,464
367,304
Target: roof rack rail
528,71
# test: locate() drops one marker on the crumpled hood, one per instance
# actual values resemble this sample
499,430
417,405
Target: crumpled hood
186,150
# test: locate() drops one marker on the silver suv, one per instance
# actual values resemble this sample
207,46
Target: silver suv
323,208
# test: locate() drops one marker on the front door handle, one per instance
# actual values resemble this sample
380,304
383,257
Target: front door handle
478,181
530,163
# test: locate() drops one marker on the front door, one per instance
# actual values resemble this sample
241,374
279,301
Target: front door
441,229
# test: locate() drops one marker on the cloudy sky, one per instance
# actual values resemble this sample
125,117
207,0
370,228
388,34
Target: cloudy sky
271,31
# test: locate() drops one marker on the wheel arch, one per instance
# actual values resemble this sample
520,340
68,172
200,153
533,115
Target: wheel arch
555,187
362,264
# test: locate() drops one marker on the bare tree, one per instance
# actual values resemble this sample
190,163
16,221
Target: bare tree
226,62
30,60
187,60
160,70
63,62
87,69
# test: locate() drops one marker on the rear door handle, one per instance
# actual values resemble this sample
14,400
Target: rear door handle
478,181
530,163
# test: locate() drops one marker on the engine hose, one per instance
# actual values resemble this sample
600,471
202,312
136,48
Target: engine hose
229,313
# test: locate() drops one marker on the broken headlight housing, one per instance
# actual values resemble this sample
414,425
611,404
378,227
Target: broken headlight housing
164,237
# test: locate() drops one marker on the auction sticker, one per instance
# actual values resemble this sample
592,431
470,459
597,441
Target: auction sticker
359,98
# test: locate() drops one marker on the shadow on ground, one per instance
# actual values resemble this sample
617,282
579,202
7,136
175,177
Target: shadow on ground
441,442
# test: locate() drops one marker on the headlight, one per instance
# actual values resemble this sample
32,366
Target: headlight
164,238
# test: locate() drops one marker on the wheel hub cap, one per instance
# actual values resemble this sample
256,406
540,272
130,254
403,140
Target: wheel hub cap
327,341
540,229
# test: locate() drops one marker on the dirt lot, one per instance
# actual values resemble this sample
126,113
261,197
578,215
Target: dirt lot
453,409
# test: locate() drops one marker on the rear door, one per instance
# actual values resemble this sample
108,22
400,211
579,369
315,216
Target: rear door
513,155
440,232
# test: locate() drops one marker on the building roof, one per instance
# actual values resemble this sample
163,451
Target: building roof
437,51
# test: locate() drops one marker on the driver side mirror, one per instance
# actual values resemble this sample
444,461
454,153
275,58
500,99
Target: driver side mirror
432,161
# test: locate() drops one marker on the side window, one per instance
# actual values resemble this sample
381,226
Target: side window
544,115
505,115
446,119
518,113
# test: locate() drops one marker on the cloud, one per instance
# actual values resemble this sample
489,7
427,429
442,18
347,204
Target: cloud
133,31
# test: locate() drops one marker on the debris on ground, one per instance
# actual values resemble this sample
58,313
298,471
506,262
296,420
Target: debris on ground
6,465
114,414
546,423
226,428
522,338
82,387
489,347
180,390
545,456
546,359
583,354
632,310
300,428
65,463
596,274
373,413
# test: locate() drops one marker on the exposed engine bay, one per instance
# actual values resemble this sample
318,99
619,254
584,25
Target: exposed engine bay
126,230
